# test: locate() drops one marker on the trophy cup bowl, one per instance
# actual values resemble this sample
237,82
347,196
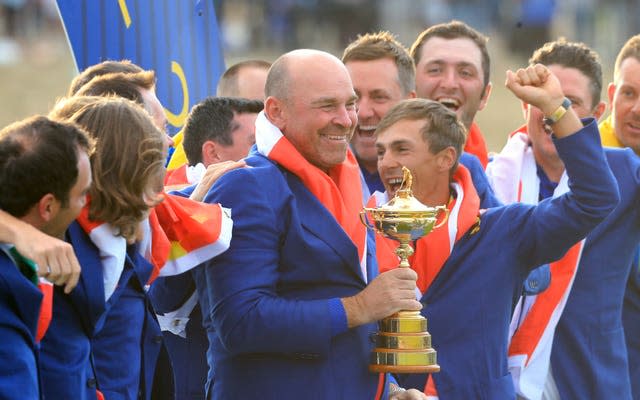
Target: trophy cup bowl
403,344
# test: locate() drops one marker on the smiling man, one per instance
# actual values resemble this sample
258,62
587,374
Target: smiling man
290,307
382,73
496,249
622,129
452,67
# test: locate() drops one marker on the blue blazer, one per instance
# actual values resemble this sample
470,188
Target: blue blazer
631,323
468,305
66,361
131,363
20,302
589,353
271,303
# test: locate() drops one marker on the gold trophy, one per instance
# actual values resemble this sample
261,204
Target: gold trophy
403,344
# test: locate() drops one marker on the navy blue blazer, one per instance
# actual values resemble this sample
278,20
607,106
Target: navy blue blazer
66,361
20,302
131,360
589,353
267,301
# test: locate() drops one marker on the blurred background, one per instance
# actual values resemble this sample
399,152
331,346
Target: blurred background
36,64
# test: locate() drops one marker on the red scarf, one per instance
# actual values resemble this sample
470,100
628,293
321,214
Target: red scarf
339,191
476,145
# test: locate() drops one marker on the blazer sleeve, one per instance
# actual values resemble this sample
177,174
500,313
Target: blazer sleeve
554,225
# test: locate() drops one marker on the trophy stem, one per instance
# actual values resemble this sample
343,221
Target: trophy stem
404,251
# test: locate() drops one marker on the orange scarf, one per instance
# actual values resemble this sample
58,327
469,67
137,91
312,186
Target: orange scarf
433,250
339,191
476,145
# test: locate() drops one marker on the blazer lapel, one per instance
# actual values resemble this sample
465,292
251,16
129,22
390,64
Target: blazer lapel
319,221
88,296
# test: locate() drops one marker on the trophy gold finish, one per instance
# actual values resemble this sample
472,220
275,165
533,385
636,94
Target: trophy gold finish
403,344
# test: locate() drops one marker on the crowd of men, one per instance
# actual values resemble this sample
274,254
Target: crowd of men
242,270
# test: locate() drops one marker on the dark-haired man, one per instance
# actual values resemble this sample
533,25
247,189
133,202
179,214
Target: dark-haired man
452,67
45,175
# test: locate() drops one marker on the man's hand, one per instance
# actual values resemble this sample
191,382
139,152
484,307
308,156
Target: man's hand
388,293
411,394
214,171
539,87
55,258
536,85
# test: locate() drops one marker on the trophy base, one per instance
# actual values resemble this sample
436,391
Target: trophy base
403,345
405,369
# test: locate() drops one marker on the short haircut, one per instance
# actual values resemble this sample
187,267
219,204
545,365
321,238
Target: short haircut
441,128
279,79
631,49
128,162
573,55
375,46
105,67
38,156
454,30
126,85
212,119
228,83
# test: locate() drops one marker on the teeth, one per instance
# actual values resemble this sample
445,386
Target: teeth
367,127
448,102
395,181
335,137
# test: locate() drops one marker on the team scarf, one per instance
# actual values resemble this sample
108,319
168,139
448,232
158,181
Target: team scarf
513,174
339,191
178,235
184,176
476,145
30,270
433,250
608,134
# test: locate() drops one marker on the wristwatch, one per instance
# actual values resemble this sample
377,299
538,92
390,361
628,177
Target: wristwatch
558,113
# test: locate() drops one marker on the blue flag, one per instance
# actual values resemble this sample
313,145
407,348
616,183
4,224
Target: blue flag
179,40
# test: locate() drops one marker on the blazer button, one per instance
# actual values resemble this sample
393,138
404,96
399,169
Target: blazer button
157,339
91,382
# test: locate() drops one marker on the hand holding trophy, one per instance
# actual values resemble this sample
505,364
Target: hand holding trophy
403,344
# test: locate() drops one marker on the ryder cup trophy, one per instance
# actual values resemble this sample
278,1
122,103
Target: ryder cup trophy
403,344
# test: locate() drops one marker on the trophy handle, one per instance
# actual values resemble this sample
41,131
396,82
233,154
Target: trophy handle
365,220
446,216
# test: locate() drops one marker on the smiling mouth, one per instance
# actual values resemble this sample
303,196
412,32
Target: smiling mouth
367,131
451,104
394,184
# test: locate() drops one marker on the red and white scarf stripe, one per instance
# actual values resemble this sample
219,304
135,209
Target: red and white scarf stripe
339,191
513,174
178,235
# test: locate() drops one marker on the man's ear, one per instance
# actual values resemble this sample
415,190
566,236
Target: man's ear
210,153
446,158
485,96
598,110
48,207
275,112
611,90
